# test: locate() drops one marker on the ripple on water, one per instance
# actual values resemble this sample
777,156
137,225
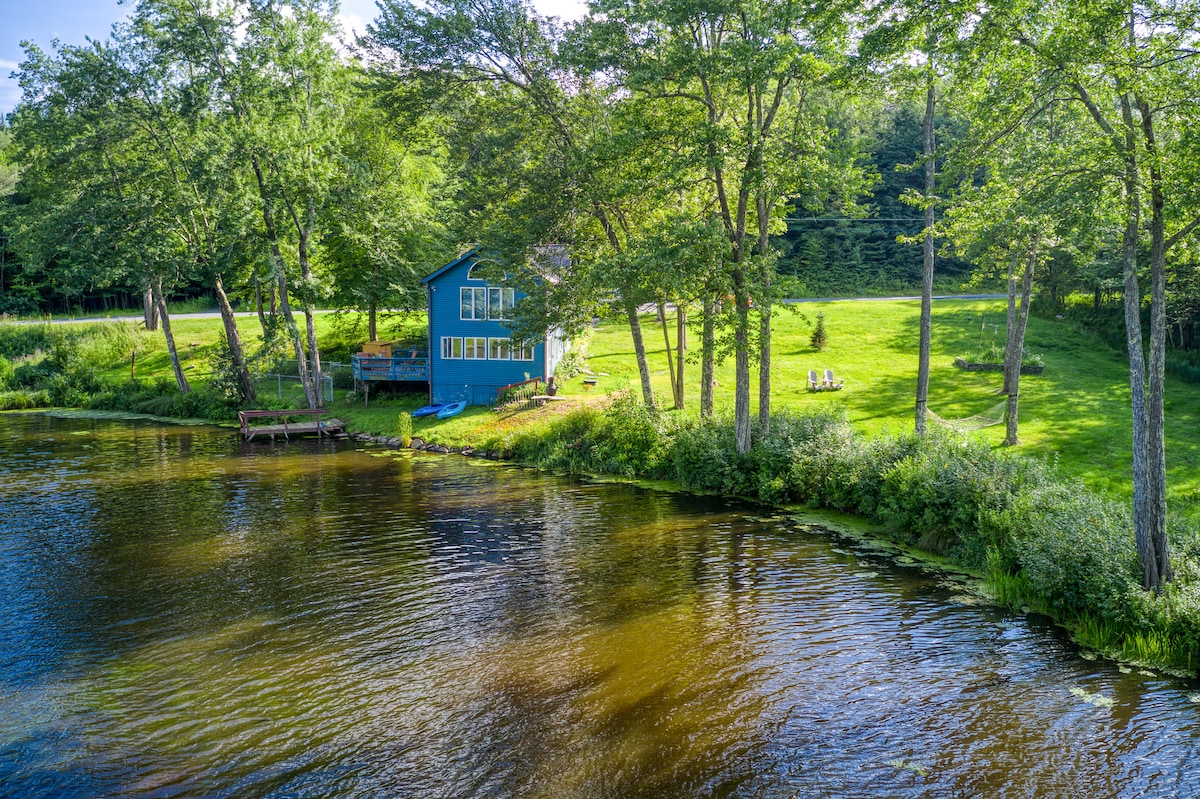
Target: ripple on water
188,616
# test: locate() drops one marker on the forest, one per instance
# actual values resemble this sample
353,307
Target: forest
714,156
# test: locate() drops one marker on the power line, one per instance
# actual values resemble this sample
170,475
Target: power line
854,219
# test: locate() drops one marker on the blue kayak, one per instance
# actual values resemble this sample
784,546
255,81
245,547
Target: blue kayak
427,410
452,409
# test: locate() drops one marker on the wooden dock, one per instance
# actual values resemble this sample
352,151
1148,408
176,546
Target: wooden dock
310,423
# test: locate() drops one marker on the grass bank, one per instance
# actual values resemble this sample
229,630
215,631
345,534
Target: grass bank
1047,524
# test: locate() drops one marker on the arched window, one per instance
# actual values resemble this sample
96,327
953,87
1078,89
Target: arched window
471,272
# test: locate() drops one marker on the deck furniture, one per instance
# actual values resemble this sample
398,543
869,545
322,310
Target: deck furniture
814,382
830,383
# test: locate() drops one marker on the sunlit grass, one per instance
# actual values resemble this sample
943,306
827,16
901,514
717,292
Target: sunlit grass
1075,413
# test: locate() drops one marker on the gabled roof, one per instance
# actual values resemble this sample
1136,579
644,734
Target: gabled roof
471,253
548,262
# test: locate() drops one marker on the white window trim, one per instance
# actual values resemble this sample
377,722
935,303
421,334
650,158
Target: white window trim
505,294
475,348
448,343
506,343
520,351
474,306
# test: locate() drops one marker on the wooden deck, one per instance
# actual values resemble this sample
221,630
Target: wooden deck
310,423
414,367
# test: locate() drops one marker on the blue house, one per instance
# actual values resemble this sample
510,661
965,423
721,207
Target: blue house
471,354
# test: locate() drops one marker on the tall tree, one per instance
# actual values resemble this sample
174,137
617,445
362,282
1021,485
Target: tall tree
745,73
1130,70
101,206
569,165
386,213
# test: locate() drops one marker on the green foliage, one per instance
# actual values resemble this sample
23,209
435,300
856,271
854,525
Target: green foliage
994,353
23,399
161,397
819,337
940,495
624,439
1075,548
404,428
6,372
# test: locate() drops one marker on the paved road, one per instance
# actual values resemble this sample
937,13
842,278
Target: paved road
72,320
884,299
646,309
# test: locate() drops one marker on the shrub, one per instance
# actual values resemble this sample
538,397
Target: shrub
23,399
6,372
703,458
1076,548
944,492
819,337
404,428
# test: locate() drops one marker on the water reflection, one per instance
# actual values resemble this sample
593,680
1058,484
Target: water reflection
188,616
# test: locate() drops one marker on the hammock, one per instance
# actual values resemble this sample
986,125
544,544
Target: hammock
993,415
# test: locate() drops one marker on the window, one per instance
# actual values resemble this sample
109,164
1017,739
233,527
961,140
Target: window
472,303
523,353
452,348
499,349
500,303
475,349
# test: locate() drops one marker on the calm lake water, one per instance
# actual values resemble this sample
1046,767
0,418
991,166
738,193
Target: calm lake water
185,615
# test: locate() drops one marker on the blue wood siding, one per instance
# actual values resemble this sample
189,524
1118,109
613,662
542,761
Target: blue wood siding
473,380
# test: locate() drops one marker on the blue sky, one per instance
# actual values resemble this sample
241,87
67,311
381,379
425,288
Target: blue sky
72,21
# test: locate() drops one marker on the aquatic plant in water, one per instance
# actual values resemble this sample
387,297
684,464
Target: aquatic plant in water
1099,700
905,765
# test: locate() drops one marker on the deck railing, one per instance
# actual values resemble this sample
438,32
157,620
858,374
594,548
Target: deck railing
414,366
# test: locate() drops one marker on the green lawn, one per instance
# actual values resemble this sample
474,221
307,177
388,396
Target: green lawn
1076,412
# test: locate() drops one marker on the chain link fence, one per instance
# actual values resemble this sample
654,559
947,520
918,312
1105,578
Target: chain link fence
284,381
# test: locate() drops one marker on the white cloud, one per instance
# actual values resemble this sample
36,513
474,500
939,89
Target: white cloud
10,90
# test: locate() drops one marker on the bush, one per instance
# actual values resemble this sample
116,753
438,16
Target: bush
1076,548
819,337
703,458
6,372
23,399
404,428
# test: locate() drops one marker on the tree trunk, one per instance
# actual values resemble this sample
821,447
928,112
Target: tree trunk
285,308
234,340
676,385
927,275
662,321
150,309
680,351
1012,358
161,304
1010,328
708,357
310,326
1151,577
372,325
1156,461
741,344
764,316
639,350
258,304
